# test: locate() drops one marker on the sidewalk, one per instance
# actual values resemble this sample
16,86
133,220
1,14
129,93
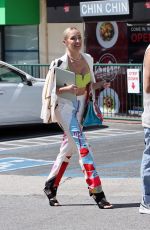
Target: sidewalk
24,205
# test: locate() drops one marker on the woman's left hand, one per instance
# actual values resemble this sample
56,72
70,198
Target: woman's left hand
100,85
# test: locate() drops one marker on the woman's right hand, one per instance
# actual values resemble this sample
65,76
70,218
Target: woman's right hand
71,88
68,88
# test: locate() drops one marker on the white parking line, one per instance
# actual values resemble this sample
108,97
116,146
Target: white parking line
10,144
56,139
111,132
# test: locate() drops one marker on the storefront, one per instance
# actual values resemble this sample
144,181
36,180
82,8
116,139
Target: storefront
27,36
19,35
120,28
124,17
114,32
120,34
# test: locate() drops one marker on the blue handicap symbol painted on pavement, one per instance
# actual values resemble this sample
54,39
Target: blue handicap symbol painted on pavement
14,163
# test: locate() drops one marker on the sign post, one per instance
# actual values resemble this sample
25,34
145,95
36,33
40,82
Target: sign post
133,80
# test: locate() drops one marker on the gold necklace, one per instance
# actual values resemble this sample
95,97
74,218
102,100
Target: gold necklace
75,60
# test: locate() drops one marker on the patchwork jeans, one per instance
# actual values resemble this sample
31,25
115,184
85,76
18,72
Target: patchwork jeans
145,168
69,115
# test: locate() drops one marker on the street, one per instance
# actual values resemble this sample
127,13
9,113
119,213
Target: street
25,163
104,47
117,152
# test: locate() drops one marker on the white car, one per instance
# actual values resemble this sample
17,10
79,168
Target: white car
20,96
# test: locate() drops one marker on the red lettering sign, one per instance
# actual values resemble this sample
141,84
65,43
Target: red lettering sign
140,37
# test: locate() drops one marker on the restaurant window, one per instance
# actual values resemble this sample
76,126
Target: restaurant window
21,44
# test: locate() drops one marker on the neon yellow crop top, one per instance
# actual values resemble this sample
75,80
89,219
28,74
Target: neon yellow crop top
83,80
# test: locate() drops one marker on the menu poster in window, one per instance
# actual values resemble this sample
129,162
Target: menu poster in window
107,37
108,44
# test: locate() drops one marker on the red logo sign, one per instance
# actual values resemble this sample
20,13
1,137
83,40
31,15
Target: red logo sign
147,4
66,8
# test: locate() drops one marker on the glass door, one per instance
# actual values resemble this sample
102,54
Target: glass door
1,43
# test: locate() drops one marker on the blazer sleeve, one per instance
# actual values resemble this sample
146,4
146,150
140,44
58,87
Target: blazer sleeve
49,86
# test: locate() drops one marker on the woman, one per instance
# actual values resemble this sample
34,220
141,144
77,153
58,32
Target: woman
69,115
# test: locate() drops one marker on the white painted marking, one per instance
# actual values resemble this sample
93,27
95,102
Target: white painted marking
15,163
56,139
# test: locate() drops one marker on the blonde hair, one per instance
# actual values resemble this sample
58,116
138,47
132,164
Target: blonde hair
66,32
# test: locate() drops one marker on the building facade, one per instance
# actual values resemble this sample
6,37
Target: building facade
31,30
19,31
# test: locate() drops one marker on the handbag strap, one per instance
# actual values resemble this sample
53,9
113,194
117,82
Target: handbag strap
89,94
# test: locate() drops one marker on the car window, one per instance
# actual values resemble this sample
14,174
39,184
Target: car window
10,75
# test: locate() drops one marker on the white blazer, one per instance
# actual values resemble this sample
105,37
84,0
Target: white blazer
49,97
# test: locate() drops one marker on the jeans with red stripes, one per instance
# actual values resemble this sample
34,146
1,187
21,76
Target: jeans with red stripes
69,115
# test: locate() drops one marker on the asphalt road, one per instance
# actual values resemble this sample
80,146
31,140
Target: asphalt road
25,162
117,150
